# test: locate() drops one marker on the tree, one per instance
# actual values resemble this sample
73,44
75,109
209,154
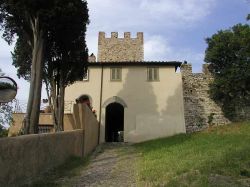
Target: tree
37,23
3,132
28,19
228,53
65,55
68,55
5,115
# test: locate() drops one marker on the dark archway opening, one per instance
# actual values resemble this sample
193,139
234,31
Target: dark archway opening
114,122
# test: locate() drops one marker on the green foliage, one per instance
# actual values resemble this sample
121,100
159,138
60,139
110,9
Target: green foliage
29,20
50,37
5,118
16,17
3,132
210,118
22,58
194,159
5,110
228,53
5,85
200,122
65,43
67,54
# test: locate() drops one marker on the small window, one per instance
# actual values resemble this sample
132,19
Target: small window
115,74
86,76
153,74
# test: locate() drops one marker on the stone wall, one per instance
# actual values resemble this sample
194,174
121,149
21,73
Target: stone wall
116,49
89,123
25,157
199,110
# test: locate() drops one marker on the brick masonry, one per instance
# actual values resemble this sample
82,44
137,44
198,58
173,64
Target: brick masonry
116,49
200,111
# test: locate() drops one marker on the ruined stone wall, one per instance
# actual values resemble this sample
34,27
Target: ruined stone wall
116,49
199,109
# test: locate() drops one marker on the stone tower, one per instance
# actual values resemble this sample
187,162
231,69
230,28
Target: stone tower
116,49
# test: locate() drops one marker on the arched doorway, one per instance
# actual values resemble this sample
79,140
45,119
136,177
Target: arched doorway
114,125
84,99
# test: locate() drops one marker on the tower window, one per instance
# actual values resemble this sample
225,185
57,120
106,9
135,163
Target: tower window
116,74
153,74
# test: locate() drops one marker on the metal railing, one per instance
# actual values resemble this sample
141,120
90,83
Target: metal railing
20,106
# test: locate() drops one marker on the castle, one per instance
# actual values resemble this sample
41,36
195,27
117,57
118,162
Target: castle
140,99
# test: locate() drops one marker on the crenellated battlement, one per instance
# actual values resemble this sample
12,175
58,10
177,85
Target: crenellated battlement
115,35
115,49
127,35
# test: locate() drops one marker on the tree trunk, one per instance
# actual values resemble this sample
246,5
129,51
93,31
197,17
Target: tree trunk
54,102
61,103
48,91
57,94
33,107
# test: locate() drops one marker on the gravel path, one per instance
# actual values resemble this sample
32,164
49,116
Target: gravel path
112,164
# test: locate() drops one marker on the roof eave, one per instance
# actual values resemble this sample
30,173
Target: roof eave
138,63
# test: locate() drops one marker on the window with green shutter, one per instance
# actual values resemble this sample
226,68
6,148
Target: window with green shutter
116,74
153,74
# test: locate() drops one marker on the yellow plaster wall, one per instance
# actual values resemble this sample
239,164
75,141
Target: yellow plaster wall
155,109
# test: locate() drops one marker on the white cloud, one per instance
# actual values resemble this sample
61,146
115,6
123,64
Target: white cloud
182,11
189,55
5,49
147,14
154,17
92,41
156,48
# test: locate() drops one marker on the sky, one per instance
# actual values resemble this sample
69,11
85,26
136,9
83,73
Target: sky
173,29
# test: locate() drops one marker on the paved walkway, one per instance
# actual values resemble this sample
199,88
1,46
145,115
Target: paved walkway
112,164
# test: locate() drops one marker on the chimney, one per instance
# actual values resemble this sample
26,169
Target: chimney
92,58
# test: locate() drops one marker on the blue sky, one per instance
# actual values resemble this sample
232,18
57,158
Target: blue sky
173,29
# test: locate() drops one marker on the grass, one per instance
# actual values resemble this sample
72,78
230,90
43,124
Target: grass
219,156
70,168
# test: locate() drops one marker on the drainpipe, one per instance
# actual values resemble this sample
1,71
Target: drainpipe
100,108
